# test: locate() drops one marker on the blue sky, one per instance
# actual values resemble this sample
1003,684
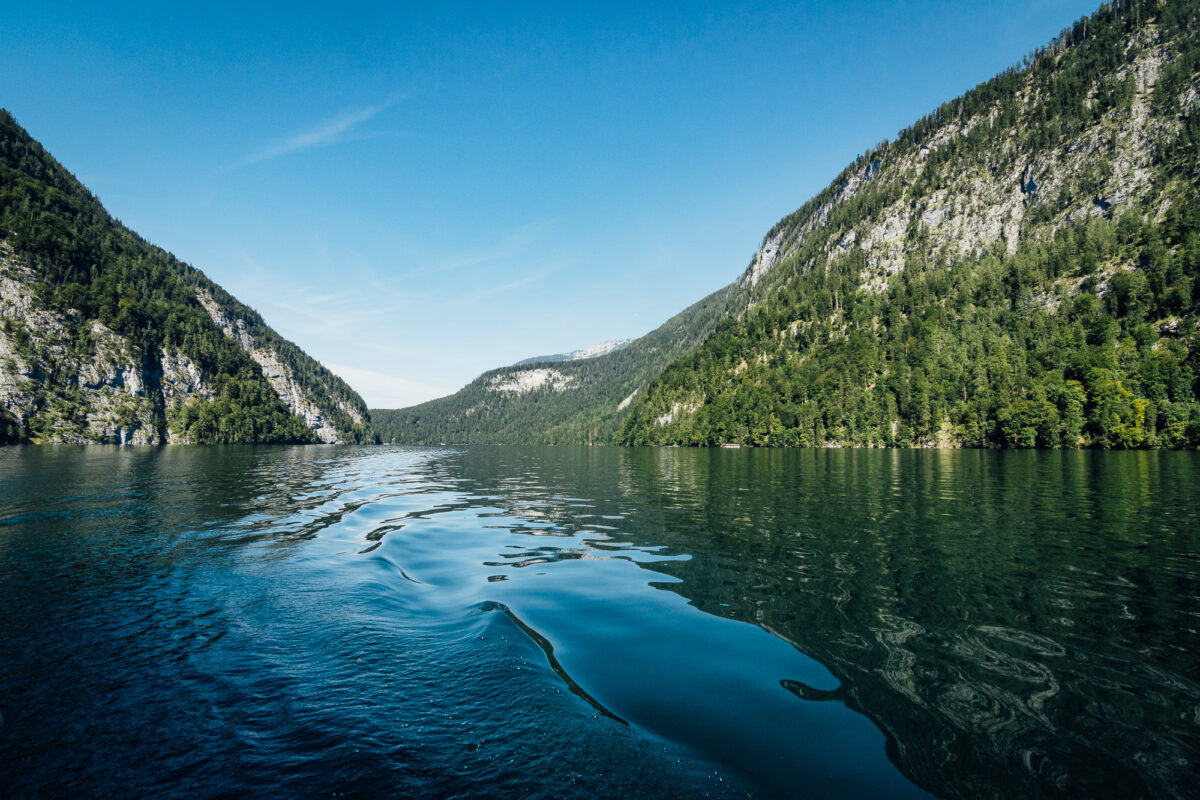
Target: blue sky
417,193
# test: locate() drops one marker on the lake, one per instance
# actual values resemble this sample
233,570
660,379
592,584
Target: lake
598,622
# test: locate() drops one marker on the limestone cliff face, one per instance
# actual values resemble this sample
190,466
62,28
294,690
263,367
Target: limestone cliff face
60,386
278,374
88,388
967,207
1057,181
105,337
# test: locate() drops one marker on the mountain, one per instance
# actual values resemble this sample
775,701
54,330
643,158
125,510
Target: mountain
555,401
596,350
1020,268
107,338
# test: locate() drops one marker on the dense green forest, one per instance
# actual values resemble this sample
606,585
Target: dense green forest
995,352
1076,326
90,267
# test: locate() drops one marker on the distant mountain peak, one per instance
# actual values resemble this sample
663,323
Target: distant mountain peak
596,350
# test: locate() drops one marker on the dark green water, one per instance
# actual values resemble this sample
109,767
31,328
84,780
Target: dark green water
562,622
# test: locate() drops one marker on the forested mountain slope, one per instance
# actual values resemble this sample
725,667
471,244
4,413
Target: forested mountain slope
1020,268
557,402
107,338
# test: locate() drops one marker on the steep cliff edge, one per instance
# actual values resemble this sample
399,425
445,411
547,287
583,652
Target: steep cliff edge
107,338
1017,269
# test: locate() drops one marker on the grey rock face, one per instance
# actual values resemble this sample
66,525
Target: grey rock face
95,390
276,372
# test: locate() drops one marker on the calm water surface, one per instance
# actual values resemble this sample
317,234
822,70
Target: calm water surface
562,622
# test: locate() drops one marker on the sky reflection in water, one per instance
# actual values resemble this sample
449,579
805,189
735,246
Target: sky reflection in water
598,622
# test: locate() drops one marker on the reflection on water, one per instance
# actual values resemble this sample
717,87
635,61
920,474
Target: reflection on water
599,622
1017,622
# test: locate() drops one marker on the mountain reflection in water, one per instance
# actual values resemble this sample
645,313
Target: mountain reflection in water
599,622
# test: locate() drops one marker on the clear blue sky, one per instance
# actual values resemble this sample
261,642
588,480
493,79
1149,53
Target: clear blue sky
417,193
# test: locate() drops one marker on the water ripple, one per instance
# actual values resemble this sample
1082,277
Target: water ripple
315,621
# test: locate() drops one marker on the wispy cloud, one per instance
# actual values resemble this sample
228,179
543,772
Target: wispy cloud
519,282
513,246
323,133
329,314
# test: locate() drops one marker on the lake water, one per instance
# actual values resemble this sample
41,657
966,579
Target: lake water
598,622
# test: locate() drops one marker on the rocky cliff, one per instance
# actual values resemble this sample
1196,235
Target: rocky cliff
106,338
1018,268
66,379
